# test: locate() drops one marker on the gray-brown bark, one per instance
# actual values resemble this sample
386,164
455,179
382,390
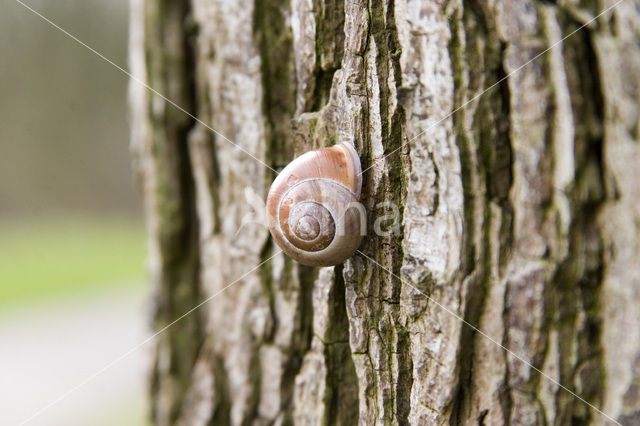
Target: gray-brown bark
520,210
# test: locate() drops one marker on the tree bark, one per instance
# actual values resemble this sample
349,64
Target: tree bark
519,207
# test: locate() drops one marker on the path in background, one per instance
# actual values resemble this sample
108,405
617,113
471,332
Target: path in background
48,348
64,180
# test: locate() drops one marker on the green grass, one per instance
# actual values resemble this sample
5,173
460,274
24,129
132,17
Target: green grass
44,260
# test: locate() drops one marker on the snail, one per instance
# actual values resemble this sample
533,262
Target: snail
313,209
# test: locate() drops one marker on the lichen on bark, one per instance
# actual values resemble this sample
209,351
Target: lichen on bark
510,152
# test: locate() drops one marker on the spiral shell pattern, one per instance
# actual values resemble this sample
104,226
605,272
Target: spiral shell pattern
313,209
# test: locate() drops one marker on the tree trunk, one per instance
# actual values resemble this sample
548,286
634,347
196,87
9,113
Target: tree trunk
519,210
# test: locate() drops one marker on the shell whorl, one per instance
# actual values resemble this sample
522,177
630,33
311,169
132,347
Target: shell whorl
310,206
310,226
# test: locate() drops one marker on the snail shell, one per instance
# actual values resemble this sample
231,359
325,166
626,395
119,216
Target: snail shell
313,209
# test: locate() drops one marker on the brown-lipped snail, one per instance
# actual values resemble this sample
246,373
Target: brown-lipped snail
313,206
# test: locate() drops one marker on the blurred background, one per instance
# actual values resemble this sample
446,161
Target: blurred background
71,233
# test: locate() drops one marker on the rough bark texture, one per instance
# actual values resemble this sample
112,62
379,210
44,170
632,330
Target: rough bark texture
520,210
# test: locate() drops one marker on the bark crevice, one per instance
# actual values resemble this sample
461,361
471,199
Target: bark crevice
518,212
178,289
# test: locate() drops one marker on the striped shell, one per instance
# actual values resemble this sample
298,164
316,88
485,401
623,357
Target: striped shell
313,209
